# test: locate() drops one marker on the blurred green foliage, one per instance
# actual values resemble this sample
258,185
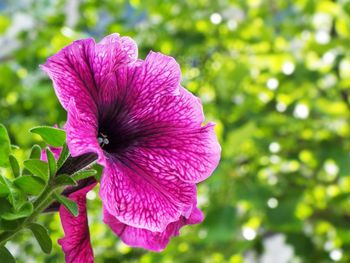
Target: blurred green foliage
275,77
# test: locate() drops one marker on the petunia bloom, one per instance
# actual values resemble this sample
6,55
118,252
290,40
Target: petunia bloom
146,130
155,241
76,243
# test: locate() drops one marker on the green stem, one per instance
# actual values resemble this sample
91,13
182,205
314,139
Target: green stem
70,166
40,204
4,237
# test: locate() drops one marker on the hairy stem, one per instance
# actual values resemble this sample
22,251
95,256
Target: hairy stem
45,199
39,204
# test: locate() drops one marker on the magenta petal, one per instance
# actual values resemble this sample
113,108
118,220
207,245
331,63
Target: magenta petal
70,71
110,54
167,125
56,153
157,147
76,242
158,75
81,128
191,154
142,199
78,70
156,241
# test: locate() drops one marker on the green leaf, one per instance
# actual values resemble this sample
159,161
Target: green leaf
52,163
84,174
15,166
15,196
63,156
35,152
52,136
32,185
5,146
71,206
37,167
12,225
64,180
14,147
99,169
24,211
5,206
6,255
42,236
4,190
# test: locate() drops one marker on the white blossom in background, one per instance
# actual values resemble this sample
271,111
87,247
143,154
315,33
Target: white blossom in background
301,111
336,254
276,250
272,202
274,147
281,107
21,22
216,18
72,12
248,233
272,83
288,68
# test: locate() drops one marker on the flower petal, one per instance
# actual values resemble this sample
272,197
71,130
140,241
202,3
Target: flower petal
82,129
76,242
191,154
155,241
111,53
167,125
160,74
156,76
143,197
56,153
80,69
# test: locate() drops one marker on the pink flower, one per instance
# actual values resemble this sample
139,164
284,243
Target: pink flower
146,131
155,241
76,243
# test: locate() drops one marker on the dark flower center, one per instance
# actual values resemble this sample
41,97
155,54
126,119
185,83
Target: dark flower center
114,140
115,132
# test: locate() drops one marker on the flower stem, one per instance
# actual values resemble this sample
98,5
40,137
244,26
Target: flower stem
71,165
4,237
39,204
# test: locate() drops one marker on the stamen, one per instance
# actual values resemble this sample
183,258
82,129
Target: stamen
103,140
